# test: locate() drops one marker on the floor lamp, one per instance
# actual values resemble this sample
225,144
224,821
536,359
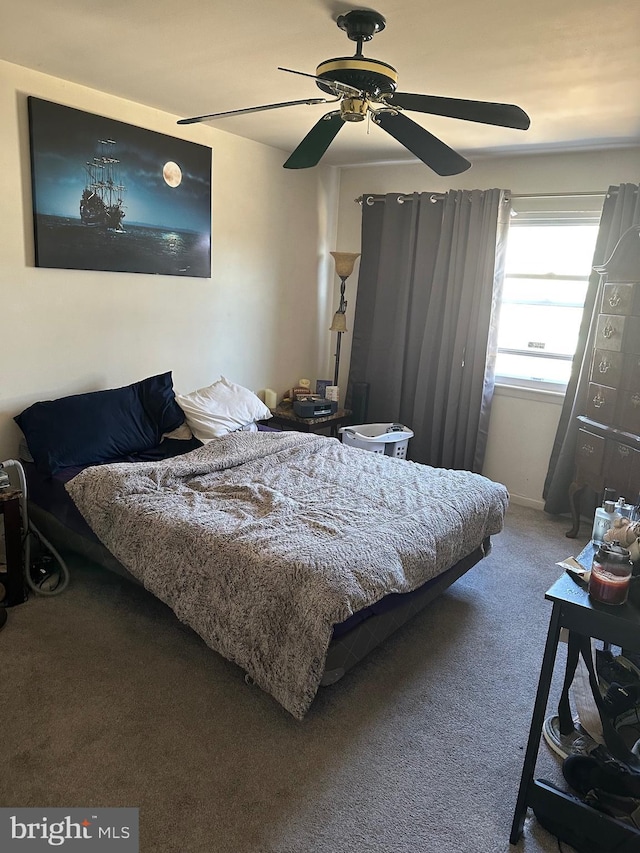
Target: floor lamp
345,262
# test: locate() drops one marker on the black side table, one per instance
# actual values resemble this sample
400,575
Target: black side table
287,419
620,626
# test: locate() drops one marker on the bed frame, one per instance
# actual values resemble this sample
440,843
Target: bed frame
347,647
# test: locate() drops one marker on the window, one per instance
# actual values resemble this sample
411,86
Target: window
547,267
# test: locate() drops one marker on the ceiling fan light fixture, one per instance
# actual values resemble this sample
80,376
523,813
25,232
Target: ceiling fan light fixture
354,109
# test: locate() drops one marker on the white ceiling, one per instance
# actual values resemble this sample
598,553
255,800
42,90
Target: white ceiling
573,65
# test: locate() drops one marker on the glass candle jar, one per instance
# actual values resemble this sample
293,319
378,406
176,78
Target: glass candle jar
610,574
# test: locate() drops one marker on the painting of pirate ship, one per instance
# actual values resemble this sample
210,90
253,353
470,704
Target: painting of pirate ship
114,197
101,203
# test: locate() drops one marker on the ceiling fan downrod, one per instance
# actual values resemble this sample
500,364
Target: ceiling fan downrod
371,77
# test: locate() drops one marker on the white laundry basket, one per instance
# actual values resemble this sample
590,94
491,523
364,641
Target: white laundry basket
391,439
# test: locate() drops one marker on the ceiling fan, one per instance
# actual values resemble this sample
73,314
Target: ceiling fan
366,87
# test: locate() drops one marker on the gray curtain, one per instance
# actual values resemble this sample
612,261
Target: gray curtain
620,211
424,334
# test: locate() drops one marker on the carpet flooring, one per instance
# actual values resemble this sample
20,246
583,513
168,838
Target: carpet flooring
107,699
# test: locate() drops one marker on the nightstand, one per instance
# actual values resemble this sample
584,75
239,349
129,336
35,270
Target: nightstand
287,419
13,578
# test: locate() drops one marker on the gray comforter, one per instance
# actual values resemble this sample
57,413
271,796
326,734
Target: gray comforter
261,542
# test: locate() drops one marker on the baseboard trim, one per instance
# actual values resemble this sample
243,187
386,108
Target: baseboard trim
521,500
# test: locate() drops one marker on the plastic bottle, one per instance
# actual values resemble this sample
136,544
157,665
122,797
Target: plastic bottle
602,521
625,509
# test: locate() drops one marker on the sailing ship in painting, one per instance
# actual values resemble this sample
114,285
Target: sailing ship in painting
101,203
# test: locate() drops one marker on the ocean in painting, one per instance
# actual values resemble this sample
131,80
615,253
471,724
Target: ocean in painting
65,243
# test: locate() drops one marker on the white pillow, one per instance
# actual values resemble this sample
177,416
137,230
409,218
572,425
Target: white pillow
221,408
181,433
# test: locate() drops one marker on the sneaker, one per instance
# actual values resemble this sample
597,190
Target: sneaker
632,657
601,770
577,742
622,703
624,809
615,669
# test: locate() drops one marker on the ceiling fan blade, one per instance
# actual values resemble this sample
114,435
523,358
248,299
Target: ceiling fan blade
427,147
310,150
254,110
338,88
484,112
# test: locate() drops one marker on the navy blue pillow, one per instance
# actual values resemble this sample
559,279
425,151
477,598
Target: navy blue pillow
101,426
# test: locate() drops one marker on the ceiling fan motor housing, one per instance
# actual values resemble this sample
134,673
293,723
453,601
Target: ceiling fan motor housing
371,76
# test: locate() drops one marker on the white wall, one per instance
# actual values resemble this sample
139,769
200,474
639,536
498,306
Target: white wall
523,426
262,319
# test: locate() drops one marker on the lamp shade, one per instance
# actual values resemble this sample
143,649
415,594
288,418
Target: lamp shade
345,261
339,323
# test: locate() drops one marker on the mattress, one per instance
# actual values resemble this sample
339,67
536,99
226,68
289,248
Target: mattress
54,512
352,637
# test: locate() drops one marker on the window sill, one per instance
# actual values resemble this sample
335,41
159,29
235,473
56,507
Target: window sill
538,395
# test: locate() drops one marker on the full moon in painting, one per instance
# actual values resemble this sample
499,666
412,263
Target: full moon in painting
172,173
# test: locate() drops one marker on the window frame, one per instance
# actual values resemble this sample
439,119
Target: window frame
580,209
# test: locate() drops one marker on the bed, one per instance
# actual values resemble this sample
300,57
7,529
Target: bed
290,554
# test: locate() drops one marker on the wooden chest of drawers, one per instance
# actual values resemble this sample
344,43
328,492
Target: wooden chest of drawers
608,445
608,458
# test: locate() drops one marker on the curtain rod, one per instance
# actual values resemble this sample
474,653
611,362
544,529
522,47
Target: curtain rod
600,194
372,197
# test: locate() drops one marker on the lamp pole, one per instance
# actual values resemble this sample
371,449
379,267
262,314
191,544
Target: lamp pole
344,267
337,370
341,310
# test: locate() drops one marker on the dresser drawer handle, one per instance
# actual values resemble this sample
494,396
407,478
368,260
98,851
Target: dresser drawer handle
604,366
588,449
635,401
599,401
623,451
608,331
614,299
